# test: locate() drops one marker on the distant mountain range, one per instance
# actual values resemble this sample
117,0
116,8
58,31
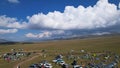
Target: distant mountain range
74,37
4,41
85,36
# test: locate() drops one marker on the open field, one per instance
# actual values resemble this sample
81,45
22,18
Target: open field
54,48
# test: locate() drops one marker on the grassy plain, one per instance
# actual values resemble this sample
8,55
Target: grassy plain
53,48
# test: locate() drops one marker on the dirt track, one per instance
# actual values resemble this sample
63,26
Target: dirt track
27,60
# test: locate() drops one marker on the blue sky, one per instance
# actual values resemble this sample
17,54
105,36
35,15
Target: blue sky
37,19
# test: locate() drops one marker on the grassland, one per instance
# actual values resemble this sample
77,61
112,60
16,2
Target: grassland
111,43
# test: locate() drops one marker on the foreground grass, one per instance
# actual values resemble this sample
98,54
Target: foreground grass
62,47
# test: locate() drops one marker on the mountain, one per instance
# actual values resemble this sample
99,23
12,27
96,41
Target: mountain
96,35
3,40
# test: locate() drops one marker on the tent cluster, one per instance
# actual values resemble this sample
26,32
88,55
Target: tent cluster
11,56
58,60
43,64
103,61
82,60
96,60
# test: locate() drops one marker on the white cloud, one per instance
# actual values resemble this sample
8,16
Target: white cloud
31,35
17,25
11,22
101,33
14,1
40,35
101,15
45,34
58,32
5,20
119,6
6,31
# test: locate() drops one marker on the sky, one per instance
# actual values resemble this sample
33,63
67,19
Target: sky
22,20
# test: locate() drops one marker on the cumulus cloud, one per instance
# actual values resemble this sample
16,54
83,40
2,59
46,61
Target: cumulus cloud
101,15
6,31
17,25
45,34
14,1
5,20
119,6
101,33
40,35
11,22
57,32
31,35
